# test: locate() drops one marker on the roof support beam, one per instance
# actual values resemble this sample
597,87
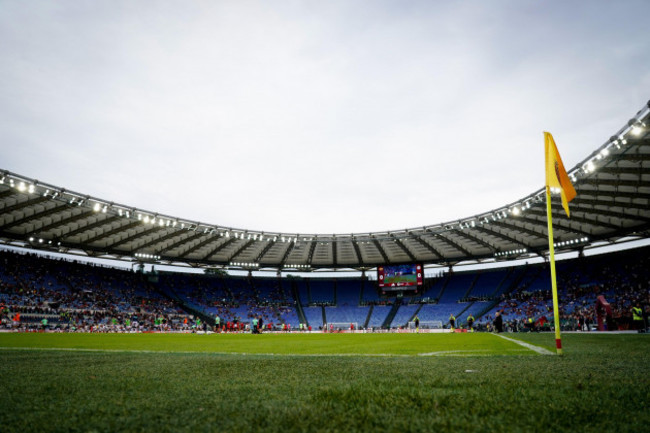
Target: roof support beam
241,250
312,248
218,248
380,249
455,245
403,247
285,256
357,251
260,256
428,246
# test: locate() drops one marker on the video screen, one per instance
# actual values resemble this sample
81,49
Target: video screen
399,276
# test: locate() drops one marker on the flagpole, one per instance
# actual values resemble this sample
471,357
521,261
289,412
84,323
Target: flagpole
551,248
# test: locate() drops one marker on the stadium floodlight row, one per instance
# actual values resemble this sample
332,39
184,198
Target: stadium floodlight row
613,203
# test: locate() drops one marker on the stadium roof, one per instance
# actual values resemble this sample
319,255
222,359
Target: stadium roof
613,185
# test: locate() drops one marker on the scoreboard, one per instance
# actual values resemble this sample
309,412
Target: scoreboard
398,277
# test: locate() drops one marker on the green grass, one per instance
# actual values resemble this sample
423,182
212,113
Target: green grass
601,384
287,344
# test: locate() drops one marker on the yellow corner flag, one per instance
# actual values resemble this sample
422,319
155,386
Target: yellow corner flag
556,176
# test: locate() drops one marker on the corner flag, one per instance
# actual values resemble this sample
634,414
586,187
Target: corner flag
556,176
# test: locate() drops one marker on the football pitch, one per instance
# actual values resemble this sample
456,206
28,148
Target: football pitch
324,382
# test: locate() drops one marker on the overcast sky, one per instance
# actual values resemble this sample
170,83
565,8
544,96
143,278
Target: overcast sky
316,116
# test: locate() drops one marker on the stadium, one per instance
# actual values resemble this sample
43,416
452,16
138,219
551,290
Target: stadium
116,317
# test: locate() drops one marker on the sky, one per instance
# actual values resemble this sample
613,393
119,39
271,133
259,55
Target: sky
310,116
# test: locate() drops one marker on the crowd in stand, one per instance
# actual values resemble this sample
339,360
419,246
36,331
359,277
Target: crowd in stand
81,297
85,297
237,302
624,284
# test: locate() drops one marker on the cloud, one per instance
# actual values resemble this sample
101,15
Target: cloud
313,117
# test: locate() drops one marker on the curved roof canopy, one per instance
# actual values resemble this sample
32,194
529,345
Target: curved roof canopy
613,185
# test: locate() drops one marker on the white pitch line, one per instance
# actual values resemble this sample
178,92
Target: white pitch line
537,349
